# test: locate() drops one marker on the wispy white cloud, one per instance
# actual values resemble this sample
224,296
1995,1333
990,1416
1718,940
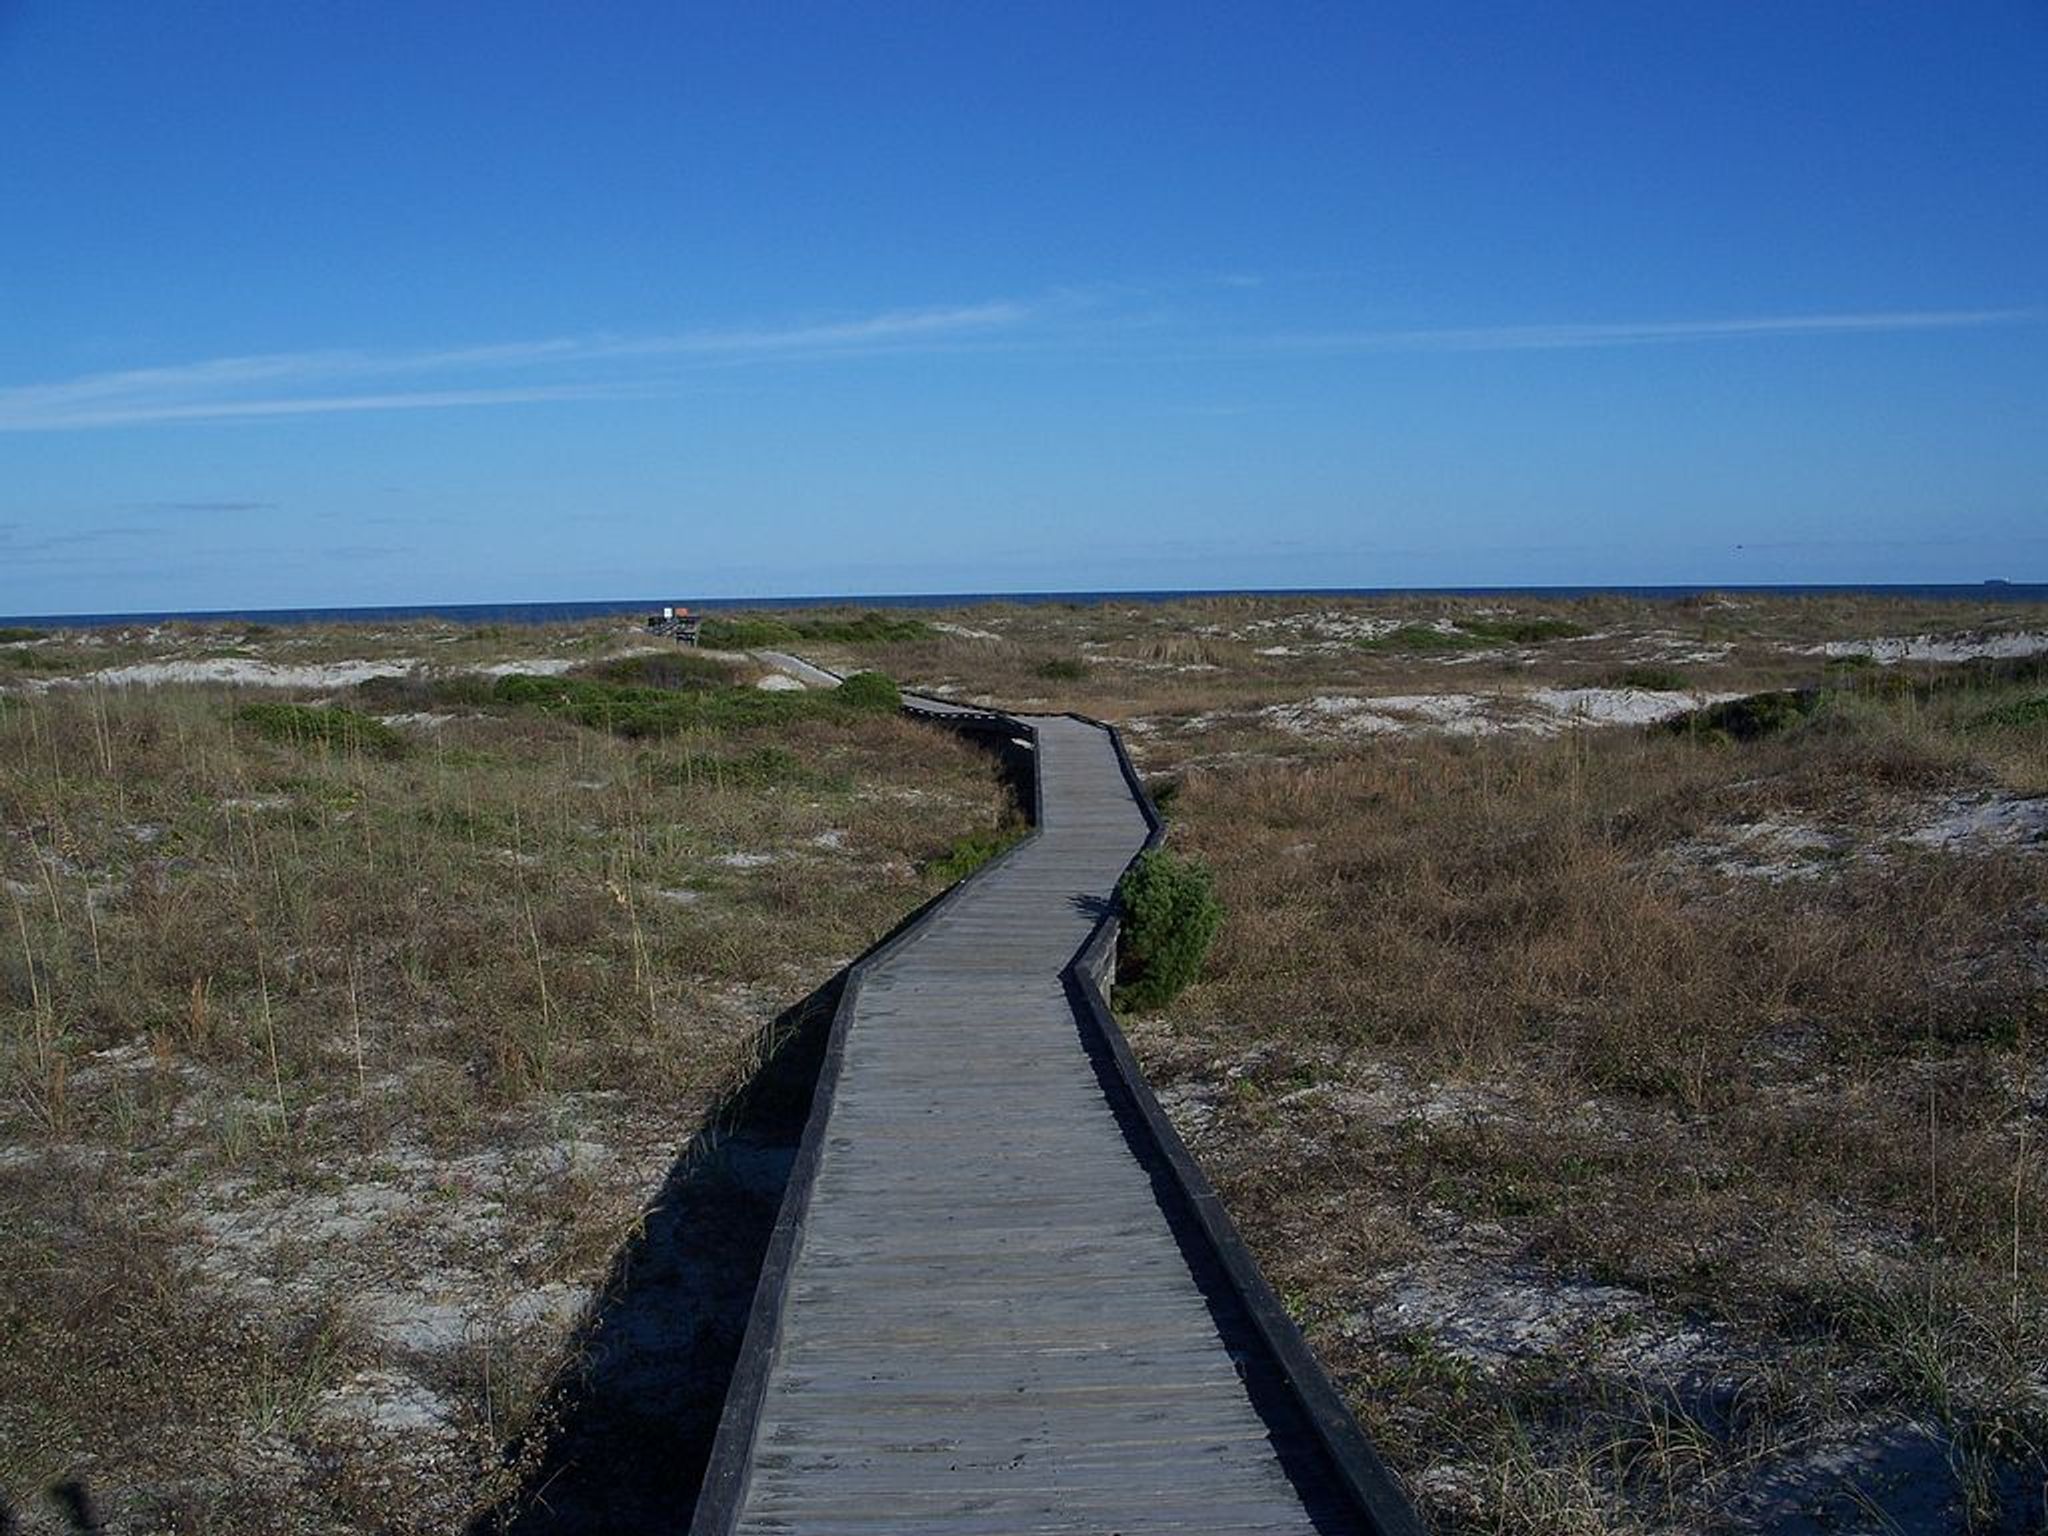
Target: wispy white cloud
578,368
611,366
1547,338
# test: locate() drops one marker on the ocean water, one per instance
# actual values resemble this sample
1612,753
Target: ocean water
560,613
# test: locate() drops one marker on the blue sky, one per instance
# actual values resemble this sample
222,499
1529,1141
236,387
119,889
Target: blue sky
317,304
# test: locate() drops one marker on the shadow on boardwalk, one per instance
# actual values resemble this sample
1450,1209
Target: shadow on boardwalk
627,1429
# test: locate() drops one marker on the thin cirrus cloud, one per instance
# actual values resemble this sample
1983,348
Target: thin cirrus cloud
1552,338
288,384
577,368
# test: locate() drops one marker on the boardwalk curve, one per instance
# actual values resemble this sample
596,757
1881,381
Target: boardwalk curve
1000,1297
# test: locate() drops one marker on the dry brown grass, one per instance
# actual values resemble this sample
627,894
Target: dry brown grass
1619,1185
303,1051
1475,1006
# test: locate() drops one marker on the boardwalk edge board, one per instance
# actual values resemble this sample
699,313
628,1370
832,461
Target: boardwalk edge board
1379,1503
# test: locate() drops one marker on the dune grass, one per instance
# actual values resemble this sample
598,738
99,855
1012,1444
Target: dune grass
1787,1101
306,1042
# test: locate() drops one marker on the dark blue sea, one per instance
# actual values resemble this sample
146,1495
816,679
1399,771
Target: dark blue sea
560,613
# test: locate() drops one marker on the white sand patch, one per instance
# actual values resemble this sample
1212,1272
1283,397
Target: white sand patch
387,1401
780,682
241,672
1773,850
1669,646
1326,625
1622,706
1964,647
423,719
1495,1317
744,860
1539,712
1969,823
961,631
532,666
678,896
834,839
1455,714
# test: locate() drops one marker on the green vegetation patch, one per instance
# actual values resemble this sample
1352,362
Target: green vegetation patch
1062,669
1753,716
873,692
1522,631
970,852
749,632
2018,713
630,710
1651,679
679,669
14,634
751,768
1470,635
1170,916
323,727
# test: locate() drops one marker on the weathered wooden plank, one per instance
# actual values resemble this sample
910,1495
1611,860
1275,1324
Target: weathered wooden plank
988,1322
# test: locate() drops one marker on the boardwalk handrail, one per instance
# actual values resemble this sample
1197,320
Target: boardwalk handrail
1356,1468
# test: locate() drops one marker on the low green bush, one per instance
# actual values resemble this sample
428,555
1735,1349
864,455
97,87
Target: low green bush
627,710
745,634
11,634
874,692
677,669
323,727
414,693
1170,915
1652,679
2016,713
752,632
1522,631
1470,635
969,853
1749,717
1062,669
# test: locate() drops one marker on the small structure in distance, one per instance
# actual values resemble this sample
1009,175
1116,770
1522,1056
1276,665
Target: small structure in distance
676,621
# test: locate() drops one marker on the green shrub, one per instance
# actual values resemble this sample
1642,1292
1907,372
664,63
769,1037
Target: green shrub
633,711
1062,669
1470,634
14,633
745,634
969,853
630,711
1170,915
677,669
1654,679
2017,713
1747,718
1522,631
753,632
414,693
322,726
871,691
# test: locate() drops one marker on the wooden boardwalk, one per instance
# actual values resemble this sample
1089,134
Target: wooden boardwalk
983,1314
